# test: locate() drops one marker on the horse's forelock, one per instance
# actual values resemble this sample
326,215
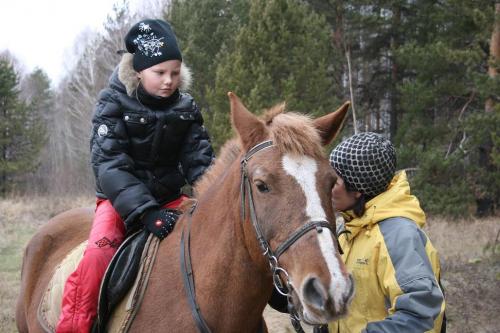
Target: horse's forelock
295,134
292,132
269,115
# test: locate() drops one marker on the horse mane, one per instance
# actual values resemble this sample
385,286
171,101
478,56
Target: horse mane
228,153
292,133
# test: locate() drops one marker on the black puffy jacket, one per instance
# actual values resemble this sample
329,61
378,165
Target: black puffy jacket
142,155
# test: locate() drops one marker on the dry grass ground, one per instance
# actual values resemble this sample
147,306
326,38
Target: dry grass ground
470,254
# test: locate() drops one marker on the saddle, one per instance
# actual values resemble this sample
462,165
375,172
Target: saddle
127,273
119,277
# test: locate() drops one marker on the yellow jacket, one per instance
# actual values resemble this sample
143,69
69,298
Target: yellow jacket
394,265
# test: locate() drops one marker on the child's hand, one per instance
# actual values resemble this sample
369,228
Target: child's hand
160,222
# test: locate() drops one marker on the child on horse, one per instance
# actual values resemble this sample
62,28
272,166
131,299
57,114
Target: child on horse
394,265
147,141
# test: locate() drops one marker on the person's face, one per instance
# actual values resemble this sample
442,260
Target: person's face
161,79
342,199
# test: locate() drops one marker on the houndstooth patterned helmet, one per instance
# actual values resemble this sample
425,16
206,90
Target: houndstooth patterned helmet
366,162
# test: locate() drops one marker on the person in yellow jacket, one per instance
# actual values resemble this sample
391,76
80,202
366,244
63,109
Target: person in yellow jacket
394,265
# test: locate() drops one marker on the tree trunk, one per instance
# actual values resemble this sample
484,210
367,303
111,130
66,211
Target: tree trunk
3,176
485,204
494,54
394,100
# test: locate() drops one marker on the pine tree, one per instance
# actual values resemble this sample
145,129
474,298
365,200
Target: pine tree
443,94
37,93
203,28
420,77
20,130
281,54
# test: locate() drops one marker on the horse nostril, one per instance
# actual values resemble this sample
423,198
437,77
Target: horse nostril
314,293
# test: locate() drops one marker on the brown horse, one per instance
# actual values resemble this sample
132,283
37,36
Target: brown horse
290,186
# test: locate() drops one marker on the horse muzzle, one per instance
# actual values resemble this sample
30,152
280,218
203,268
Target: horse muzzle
318,304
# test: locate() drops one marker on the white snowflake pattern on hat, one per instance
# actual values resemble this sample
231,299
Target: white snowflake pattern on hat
149,44
144,27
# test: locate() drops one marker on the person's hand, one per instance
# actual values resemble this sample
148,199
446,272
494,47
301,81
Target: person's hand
320,329
160,222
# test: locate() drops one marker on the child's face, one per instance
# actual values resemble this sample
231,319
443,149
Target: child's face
161,79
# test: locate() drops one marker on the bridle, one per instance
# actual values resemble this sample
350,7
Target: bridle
283,287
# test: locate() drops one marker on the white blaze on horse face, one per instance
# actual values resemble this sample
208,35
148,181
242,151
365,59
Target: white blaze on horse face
303,169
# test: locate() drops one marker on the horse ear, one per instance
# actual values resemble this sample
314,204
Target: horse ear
330,125
250,129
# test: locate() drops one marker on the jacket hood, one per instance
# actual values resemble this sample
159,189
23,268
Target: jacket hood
124,77
395,201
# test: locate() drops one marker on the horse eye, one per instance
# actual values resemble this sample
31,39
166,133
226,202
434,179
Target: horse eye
262,187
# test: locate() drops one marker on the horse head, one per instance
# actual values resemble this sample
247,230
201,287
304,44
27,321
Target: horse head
287,207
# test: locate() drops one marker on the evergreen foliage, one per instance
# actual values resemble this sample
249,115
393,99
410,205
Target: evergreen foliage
38,94
443,94
21,131
420,72
424,73
265,51
202,28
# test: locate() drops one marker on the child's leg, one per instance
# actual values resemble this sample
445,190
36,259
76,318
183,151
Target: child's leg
176,203
81,292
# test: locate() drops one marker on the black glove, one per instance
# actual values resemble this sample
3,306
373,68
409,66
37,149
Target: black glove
160,222
320,329
278,302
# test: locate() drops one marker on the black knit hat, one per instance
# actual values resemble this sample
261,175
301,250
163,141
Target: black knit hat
152,42
366,162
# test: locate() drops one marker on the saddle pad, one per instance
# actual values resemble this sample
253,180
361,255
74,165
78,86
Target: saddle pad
50,305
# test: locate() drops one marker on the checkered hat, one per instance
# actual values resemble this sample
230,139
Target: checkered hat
366,162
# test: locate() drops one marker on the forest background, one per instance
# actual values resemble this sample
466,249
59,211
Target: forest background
422,73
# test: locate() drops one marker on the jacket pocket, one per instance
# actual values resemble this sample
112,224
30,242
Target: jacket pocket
362,283
138,124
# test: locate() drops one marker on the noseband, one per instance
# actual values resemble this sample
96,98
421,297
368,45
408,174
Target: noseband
284,288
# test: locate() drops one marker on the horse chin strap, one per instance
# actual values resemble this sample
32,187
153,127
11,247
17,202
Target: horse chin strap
284,288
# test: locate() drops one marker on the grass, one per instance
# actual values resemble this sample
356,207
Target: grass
470,256
469,250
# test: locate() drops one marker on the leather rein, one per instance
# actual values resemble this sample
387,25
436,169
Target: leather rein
283,287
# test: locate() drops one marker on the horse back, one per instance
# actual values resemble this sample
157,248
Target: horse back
46,249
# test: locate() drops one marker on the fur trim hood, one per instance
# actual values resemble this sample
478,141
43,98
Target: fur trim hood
128,76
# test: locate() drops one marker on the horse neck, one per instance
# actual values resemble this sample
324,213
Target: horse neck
227,249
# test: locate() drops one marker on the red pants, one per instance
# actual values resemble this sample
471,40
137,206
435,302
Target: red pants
81,291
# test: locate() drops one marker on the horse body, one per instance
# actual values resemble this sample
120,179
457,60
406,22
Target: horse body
291,183
230,287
